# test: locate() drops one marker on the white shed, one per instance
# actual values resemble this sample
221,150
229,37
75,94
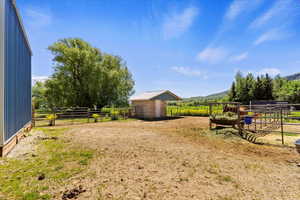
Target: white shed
152,105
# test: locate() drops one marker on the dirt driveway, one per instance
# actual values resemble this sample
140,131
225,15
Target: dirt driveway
164,160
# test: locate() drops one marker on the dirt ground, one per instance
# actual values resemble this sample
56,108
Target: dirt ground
171,160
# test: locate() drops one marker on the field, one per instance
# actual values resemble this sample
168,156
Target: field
201,111
173,159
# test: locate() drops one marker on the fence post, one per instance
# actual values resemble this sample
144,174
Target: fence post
210,113
239,119
33,117
281,123
255,122
54,116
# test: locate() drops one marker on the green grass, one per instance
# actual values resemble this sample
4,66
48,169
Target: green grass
192,110
295,114
58,160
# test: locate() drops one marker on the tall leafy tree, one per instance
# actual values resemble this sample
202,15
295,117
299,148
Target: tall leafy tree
290,92
38,95
86,77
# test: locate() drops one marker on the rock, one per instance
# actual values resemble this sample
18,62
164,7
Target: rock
73,194
140,167
41,177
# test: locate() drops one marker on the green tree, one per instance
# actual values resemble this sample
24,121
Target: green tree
290,92
86,77
38,95
278,83
232,93
258,89
239,85
244,87
268,87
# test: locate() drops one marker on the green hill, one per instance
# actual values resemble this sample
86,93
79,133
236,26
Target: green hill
293,77
220,95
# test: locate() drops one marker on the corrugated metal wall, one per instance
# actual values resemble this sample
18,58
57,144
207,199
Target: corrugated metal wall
17,74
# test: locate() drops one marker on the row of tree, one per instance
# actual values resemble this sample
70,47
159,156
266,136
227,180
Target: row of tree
84,77
248,88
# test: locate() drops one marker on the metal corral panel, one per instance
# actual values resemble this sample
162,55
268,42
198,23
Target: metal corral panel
17,69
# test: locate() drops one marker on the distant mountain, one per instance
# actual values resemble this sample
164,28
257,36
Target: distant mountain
218,95
293,77
223,94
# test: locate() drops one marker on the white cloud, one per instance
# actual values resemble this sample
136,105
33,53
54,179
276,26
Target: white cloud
187,71
281,11
239,57
39,79
269,71
178,23
272,35
212,55
239,7
38,18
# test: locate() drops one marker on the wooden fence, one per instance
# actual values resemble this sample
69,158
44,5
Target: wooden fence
78,115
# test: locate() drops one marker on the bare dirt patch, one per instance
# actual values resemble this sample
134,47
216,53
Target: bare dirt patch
27,145
171,160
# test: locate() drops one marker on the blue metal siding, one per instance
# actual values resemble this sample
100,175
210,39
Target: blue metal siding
17,75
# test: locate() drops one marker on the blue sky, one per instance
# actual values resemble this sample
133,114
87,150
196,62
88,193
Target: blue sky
191,47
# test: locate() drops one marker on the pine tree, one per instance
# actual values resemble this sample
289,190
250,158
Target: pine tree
232,93
258,89
267,88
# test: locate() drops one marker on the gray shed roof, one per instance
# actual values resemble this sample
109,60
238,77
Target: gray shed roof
165,95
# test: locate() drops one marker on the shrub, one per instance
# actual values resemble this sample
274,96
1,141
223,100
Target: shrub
96,117
114,115
51,119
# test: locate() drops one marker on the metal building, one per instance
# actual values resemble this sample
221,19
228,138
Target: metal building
15,76
152,105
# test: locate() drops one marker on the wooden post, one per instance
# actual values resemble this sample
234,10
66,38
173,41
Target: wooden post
54,116
265,118
239,119
33,116
255,122
261,120
278,119
210,113
281,123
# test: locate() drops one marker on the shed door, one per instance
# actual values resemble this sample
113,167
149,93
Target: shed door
157,108
139,111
